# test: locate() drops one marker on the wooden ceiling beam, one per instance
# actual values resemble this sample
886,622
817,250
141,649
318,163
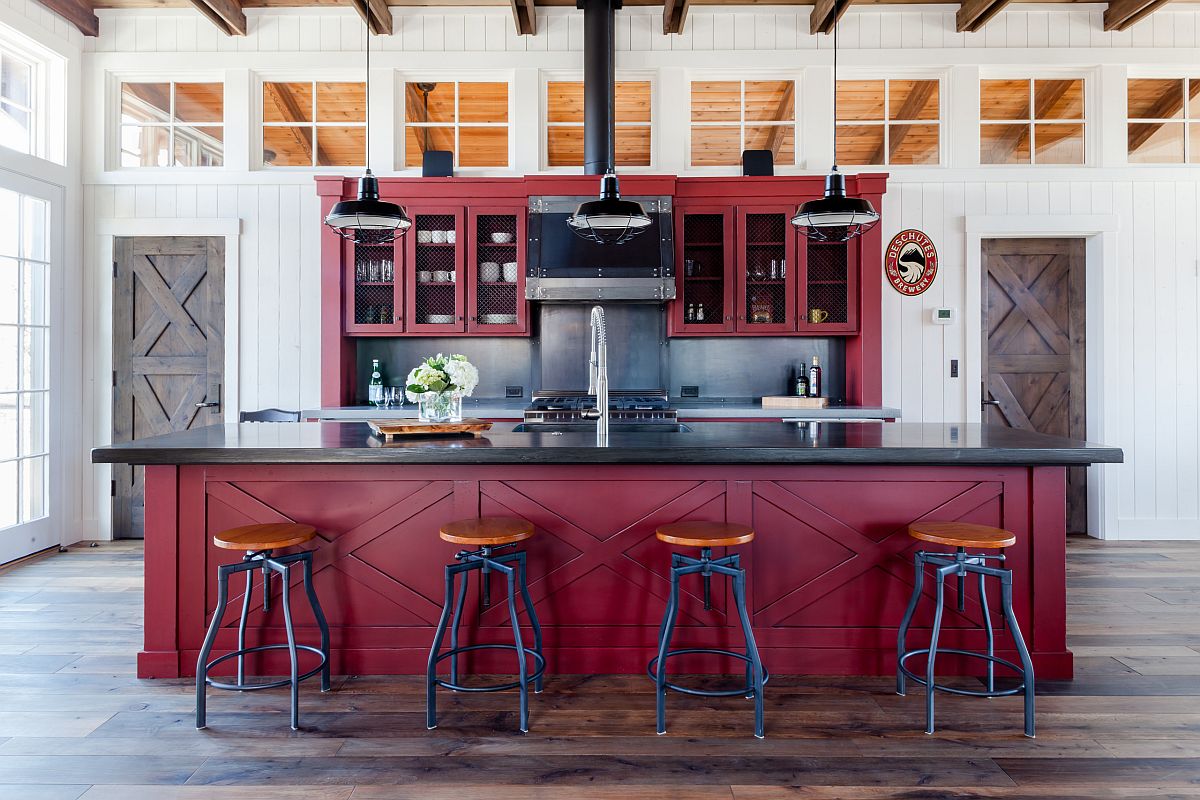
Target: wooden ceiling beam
974,14
79,13
825,13
675,15
524,17
225,14
376,14
1122,14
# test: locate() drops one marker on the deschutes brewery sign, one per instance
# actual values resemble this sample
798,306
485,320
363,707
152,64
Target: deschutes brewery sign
911,262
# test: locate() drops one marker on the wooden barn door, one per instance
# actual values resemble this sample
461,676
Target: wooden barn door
168,350
1033,360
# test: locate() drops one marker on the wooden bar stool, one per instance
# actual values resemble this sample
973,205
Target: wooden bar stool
960,563
487,534
259,542
706,536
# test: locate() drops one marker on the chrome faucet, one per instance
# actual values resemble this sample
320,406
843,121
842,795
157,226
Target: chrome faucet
598,372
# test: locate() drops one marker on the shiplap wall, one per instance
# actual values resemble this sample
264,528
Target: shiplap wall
1155,417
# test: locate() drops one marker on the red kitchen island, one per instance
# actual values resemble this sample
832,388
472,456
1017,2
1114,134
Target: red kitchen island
829,572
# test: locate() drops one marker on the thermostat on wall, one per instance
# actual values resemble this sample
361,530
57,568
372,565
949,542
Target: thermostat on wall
943,316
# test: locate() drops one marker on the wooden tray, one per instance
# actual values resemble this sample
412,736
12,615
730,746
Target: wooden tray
795,402
387,429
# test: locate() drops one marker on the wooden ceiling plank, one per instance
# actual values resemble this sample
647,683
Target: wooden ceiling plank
524,17
227,15
1165,108
1122,14
825,14
909,110
79,13
974,14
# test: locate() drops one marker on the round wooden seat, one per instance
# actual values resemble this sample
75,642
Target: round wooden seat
704,534
962,534
266,536
486,531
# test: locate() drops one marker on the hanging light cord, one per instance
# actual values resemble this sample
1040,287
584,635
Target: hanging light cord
835,87
367,92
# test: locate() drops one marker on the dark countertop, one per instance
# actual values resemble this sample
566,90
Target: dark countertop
688,408
708,443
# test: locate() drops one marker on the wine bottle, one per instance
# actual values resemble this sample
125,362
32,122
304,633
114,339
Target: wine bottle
814,379
375,388
802,381
700,313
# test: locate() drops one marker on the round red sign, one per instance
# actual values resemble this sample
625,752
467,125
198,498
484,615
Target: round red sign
911,262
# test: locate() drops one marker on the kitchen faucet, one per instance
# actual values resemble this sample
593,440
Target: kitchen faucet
598,372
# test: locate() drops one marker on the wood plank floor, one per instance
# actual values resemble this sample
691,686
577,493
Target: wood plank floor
76,723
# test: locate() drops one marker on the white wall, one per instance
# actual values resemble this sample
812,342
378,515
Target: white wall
1154,417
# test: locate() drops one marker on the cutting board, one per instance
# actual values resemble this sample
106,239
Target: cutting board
391,428
795,402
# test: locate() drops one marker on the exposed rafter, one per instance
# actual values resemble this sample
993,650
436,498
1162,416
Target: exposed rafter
79,13
1121,14
675,15
825,13
225,14
524,17
974,14
376,14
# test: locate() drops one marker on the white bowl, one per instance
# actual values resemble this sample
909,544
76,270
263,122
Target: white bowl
423,276
489,271
441,275
499,319
502,237
437,237
424,237
451,237
439,319
510,271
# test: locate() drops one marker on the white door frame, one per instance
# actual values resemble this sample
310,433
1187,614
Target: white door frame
106,231
1100,234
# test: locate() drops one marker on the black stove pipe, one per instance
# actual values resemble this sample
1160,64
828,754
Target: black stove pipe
599,85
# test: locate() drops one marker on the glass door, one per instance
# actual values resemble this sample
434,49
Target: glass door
704,302
766,271
496,271
433,270
374,302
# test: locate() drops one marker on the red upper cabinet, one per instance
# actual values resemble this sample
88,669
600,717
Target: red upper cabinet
766,270
704,258
374,296
434,274
496,271
828,291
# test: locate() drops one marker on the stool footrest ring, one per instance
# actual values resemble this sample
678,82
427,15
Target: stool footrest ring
538,658
967,692
745,691
248,687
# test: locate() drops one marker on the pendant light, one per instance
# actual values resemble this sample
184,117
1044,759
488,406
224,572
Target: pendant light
609,220
367,219
835,217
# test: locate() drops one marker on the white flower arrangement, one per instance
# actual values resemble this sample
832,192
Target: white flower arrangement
441,373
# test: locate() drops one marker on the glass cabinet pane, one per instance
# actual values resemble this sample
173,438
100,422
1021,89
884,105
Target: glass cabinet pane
374,284
766,269
498,293
435,266
703,270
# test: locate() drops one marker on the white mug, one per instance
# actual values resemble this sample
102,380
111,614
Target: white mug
451,237
440,276
489,272
424,237
510,271
438,237
423,276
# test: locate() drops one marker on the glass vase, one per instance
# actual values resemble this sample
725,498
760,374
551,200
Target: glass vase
440,407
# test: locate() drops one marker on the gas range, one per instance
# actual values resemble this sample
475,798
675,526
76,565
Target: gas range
630,405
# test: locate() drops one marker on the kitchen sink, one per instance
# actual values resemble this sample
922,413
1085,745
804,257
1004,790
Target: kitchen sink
614,426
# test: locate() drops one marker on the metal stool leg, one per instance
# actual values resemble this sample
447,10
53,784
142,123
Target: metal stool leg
1026,661
241,639
739,598
933,642
991,635
456,621
522,670
322,623
533,620
706,555
291,640
431,666
962,585
266,571
664,644
901,648
206,648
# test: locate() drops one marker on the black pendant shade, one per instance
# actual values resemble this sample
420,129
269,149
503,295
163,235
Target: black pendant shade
609,220
835,217
368,219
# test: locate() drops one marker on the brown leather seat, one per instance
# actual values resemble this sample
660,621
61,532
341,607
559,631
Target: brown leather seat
486,531
704,534
962,534
266,536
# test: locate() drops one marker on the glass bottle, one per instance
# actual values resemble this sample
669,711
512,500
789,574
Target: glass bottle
802,381
375,386
700,313
814,379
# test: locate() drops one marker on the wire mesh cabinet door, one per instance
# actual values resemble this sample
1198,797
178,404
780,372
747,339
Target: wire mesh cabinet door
704,267
434,250
828,289
496,272
766,270
374,290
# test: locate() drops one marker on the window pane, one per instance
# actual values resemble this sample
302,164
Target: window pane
287,146
483,102
145,102
341,102
860,144
287,102
909,100
564,146
199,102
716,101
143,146
8,494
1156,142
1058,99
16,80
633,101
33,489
913,144
9,435
716,146
770,101
33,293
633,146
10,355
483,147
1152,98
15,128
33,358
564,101
10,280
419,139
429,102
34,413
860,100
1007,99
341,147
33,218
10,234
1004,144
1194,95
779,139
1058,144
1194,143
199,147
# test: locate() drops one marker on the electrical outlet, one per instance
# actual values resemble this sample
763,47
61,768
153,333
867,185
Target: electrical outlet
689,391
514,391
954,368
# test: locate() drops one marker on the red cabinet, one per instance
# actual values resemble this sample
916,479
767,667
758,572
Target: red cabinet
434,275
374,296
828,300
705,295
766,270
496,271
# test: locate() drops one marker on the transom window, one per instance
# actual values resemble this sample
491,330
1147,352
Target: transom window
470,119
172,124
564,123
888,122
1031,121
728,117
18,123
1164,120
314,124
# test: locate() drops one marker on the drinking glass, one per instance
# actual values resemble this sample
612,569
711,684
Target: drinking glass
394,396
